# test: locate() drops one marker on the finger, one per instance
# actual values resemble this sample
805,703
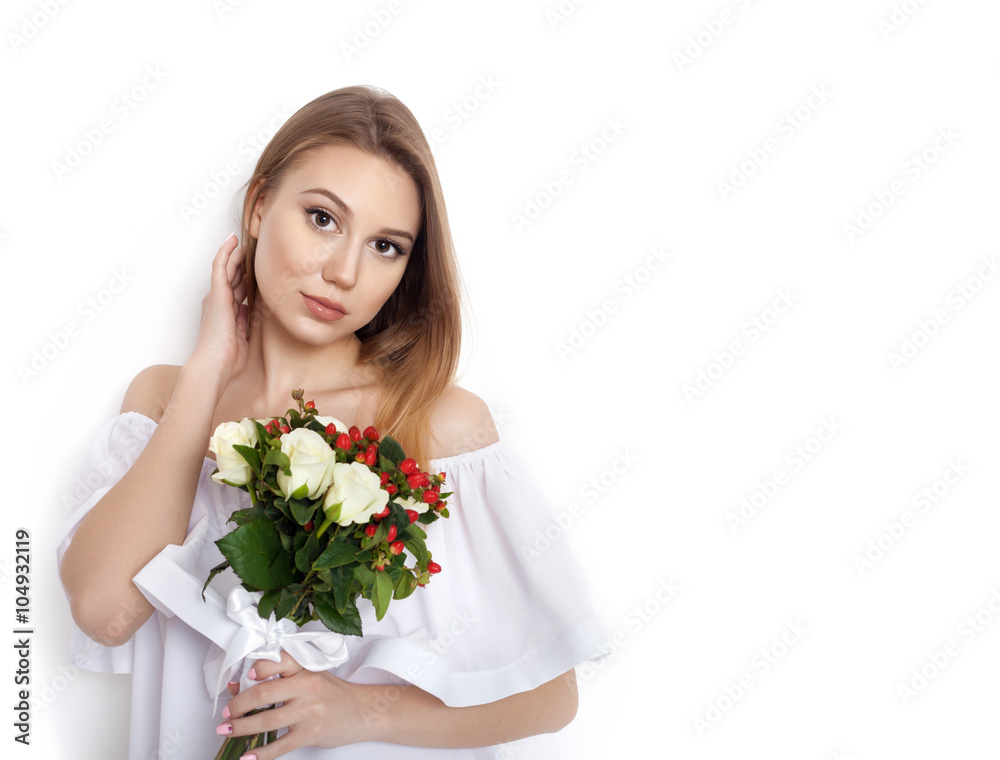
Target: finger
221,260
271,719
233,687
234,260
264,669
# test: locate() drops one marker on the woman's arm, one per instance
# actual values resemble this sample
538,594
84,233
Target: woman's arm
324,711
150,506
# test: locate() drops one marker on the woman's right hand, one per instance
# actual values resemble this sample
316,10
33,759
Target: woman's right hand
222,338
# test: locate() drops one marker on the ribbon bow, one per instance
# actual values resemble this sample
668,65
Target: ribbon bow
314,646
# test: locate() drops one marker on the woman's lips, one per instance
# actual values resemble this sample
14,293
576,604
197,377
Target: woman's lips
324,308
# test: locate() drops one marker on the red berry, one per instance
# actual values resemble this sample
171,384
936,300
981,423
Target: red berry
343,441
331,429
370,530
396,547
271,427
392,533
383,513
391,488
430,497
370,458
359,457
383,478
285,429
310,405
408,466
380,567
433,568
308,525
412,515
354,433
417,480
441,475
371,433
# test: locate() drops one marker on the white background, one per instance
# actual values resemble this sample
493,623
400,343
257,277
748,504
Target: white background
582,350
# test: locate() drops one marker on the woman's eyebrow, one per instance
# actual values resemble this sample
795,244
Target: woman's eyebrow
350,214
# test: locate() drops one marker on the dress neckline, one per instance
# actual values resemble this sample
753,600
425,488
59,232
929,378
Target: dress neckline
453,459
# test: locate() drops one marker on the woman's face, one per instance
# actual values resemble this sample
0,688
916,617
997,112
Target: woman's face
338,230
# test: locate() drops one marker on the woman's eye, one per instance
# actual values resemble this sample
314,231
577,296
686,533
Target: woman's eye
321,219
387,248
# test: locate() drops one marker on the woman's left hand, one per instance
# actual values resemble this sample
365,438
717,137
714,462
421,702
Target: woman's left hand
319,710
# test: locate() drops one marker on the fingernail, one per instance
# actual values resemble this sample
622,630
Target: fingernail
253,674
226,713
229,237
251,756
234,683
225,728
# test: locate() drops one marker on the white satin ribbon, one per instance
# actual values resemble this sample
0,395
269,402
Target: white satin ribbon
314,646
172,582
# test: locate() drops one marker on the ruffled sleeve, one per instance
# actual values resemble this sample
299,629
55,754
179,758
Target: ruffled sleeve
507,613
114,450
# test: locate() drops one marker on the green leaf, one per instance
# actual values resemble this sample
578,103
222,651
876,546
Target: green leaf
391,450
303,511
382,594
341,579
348,623
365,575
280,458
215,571
304,557
252,550
285,604
336,554
249,453
300,492
404,586
267,602
283,570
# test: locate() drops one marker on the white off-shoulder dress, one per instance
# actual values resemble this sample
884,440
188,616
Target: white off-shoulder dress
499,619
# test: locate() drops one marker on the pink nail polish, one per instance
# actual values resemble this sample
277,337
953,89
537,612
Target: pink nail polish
225,712
224,729
253,677
251,756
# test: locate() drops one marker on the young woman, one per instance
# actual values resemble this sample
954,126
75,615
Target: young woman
343,282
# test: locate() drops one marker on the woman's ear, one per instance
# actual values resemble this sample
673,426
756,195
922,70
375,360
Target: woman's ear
253,223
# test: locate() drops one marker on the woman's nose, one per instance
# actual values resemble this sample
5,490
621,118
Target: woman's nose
341,265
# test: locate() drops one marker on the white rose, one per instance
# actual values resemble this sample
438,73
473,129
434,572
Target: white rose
410,503
324,421
356,494
311,461
233,468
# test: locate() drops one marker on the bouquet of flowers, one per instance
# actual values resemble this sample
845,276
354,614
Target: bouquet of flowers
336,514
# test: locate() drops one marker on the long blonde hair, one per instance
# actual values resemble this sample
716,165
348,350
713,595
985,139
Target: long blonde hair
415,339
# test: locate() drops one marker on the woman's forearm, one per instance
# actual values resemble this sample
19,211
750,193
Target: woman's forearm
147,509
408,715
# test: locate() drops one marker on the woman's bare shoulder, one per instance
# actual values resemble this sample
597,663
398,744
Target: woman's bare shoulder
460,421
150,390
